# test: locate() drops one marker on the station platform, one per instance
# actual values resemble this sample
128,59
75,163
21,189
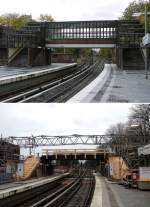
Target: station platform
100,197
127,86
10,189
116,86
89,93
13,74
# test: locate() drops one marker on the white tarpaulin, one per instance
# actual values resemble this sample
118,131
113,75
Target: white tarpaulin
146,39
144,150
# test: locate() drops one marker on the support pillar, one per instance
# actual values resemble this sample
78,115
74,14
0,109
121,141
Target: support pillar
48,56
121,58
3,56
39,56
30,56
117,57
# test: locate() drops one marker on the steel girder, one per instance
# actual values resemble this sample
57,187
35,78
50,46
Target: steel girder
44,140
100,140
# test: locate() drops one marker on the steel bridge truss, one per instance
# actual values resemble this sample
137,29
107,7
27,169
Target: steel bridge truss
100,140
43,140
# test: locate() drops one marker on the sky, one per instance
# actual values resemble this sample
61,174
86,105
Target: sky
60,119
67,10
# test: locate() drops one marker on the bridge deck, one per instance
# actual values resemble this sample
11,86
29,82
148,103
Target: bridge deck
79,154
81,43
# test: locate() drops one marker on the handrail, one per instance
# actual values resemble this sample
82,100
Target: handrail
14,54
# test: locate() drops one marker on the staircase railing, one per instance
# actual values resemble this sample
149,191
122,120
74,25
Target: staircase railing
14,54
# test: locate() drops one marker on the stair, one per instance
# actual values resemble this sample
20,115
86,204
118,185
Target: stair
19,58
13,53
133,59
30,165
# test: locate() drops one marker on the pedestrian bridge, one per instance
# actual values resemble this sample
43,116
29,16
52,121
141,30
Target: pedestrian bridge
73,34
33,43
78,34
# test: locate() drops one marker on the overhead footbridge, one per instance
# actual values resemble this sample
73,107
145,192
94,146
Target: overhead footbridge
32,44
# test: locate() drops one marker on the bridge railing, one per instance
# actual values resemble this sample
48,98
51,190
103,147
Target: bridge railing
26,37
81,30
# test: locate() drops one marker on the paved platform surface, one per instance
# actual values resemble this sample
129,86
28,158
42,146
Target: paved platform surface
103,196
97,197
128,86
19,183
129,197
122,86
18,187
10,75
11,71
110,194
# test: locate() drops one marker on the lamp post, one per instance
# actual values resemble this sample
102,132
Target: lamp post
146,63
145,22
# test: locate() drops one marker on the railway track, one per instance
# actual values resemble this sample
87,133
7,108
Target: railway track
69,192
62,89
83,197
25,89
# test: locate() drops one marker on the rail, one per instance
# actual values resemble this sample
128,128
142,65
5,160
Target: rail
65,85
57,193
49,92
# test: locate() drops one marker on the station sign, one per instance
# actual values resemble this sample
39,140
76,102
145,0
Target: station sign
146,39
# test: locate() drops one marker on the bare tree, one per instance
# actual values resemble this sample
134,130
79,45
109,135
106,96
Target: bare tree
140,116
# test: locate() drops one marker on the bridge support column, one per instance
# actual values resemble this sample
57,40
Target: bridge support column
39,56
48,53
120,58
117,57
3,56
24,57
